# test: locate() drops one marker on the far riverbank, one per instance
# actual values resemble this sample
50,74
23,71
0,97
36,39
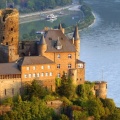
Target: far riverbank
81,15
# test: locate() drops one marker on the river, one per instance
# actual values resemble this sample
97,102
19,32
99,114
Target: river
100,46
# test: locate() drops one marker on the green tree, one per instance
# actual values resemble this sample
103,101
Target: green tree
78,115
64,117
66,89
37,90
109,103
95,108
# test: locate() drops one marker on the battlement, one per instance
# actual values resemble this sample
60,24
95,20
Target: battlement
100,89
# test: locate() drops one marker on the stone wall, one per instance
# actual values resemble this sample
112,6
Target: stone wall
9,87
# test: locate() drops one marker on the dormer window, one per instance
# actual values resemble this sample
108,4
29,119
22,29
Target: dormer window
58,44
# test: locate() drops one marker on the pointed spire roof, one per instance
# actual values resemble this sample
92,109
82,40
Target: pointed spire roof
76,33
60,26
42,40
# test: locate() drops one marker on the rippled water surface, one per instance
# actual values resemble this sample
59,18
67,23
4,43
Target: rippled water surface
100,46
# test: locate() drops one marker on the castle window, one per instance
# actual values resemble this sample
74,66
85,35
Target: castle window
50,73
34,75
48,66
11,39
34,67
5,92
46,73
69,66
69,56
3,37
38,74
58,66
25,75
28,68
58,56
30,75
80,65
58,75
42,67
50,38
42,74
6,43
11,29
13,91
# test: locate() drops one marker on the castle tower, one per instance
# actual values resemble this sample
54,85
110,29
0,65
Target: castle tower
73,75
76,39
42,46
100,89
9,35
60,28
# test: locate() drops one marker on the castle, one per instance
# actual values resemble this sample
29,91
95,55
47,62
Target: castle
43,60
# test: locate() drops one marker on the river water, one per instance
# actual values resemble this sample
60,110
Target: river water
100,46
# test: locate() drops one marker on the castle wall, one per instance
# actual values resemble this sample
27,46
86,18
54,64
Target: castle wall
64,60
80,73
44,72
9,87
7,53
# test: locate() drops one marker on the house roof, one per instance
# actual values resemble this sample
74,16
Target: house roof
51,38
33,60
79,61
9,68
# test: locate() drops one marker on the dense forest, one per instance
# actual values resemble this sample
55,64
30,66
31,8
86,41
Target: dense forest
79,103
35,5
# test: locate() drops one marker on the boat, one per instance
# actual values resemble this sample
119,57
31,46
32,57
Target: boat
51,17
61,13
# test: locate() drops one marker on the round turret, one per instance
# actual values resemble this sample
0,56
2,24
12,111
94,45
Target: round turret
42,46
103,90
76,38
73,75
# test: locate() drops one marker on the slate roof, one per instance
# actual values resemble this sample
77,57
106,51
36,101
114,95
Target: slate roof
51,38
76,33
35,60
79,61
42,40
9,68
